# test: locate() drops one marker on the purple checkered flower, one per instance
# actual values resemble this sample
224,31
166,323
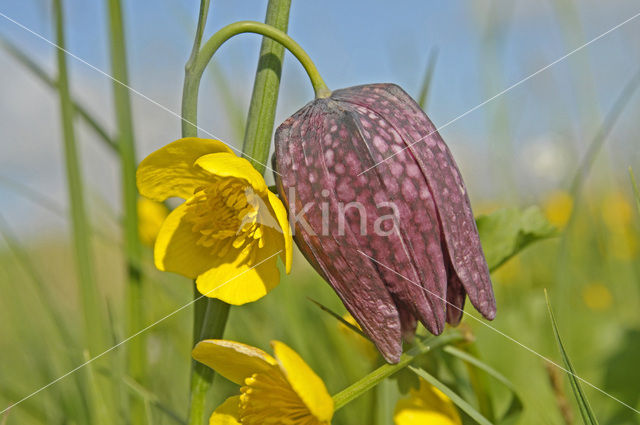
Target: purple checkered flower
381,211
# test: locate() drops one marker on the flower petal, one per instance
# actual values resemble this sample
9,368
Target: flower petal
233,360
170,170
228,413
281,215
428,405
309,387
176,250
229,165
237,280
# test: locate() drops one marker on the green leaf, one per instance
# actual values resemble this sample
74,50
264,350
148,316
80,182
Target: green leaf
339,318
508,231
425,91
455,398
372,379
514,410
583,403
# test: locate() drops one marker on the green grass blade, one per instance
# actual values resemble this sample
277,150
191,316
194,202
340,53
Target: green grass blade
44,292
339,318
620,104
425,90
588,416
455,398
636,191
372,379
514,410
94,328
128,163
15,52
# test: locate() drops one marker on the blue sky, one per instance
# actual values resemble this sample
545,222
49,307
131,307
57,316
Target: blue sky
484,46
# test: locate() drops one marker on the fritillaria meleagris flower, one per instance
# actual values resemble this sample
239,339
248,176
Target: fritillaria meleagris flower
382,213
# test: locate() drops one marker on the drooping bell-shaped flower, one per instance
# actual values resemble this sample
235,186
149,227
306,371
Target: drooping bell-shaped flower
380,210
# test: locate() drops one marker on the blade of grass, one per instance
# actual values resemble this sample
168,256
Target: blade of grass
99,412
515,408
128,163
49,204
620,104
94,329
339,318
586,412
43,76
372,379
43,291
425,91
636,191
455,398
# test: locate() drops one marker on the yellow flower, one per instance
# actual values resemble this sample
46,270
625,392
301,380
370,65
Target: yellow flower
558,208
428,405
151,214
597,296
280,390
229,231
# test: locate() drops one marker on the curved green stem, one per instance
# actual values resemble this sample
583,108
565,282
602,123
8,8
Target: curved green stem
216,40
196,66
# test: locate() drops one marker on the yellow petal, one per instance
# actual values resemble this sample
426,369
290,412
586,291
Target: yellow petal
309,387
176,249
233,360
228,413
170,170
235,280
280,213
151,215
230,165
428,405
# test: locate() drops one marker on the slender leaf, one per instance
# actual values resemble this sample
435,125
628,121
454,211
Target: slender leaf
43,76
506,232
588,417
372,379
339,318
425,91
514,410
455,398
636,191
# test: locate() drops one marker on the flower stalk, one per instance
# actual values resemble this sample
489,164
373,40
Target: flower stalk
369,381
210,315
262,110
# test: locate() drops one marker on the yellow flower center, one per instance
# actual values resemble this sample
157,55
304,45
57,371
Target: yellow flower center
225,214
267,398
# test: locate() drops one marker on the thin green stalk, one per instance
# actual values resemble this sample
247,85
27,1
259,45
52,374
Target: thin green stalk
213,319
262,110
128,163
209,315
198,63
94,330
374,378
